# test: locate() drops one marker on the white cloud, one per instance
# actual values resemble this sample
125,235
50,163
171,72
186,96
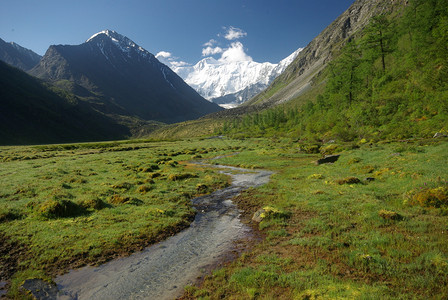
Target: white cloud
171,61
210,43
178,64
163,54
235,53
211,51
234,33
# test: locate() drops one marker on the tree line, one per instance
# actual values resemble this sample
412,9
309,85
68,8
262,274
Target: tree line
390,81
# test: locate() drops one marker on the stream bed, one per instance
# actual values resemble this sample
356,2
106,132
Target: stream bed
161,271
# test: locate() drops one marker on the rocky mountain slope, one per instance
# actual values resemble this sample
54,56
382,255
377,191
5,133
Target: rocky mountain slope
298,77
122,78
32,112
18,56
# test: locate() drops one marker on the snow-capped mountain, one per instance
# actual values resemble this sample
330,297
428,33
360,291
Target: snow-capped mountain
130,80
230,83
123,43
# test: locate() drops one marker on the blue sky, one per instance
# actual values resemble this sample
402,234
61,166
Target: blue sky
263,30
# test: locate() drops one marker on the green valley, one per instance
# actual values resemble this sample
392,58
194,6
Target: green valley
370,93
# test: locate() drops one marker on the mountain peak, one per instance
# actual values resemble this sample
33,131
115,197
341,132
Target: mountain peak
122,42
113,35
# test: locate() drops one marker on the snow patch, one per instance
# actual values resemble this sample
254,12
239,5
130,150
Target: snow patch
163,69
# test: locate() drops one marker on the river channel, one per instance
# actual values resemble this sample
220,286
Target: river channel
163,270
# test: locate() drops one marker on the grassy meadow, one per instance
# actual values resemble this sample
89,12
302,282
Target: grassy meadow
63,206
373,225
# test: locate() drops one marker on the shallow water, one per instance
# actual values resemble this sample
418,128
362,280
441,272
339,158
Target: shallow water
161,271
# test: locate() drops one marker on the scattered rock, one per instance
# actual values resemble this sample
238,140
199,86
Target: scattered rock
40,289
328,159
259,215
268,211
316,176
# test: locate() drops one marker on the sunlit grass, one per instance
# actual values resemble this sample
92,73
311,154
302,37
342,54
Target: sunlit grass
350,240
69,205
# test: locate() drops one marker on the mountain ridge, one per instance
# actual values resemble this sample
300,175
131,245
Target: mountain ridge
298,76
34,113
129,80
18,56
231,82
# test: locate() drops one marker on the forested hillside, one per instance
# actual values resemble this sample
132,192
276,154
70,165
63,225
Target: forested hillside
389,81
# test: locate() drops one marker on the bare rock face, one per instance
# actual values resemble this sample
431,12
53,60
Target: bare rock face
315,57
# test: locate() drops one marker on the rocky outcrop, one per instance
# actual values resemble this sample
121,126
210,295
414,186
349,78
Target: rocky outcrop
298,77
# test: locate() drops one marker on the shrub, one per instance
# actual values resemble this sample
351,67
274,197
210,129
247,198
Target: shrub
172,163
59,209
348,180
175,177
144,189
390,215
329,149
149,168
149,180
77,180
201,187
154,175
354,160
162,161
9,215
269,212
94,203
123,185
119,199
367,169
310,149
430,197
316,176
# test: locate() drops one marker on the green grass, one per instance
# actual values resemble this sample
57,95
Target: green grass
340,240
72,204
67,205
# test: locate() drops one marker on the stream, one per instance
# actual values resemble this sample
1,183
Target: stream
161,271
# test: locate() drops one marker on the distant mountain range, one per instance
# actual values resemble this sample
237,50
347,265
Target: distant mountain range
106,88
128,79
18,56
230,83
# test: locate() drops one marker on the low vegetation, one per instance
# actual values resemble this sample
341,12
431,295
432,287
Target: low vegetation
341,235
371,224
63,206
